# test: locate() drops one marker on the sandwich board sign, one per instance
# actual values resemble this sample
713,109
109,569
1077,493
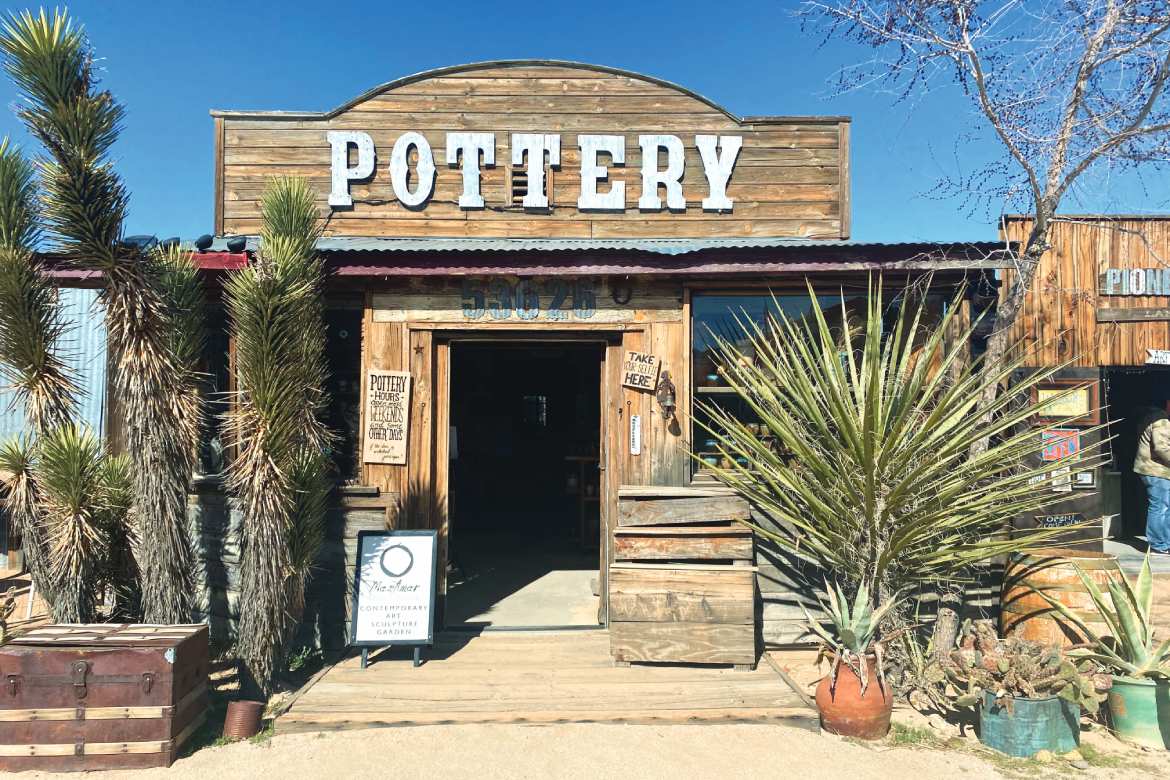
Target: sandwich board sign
394,590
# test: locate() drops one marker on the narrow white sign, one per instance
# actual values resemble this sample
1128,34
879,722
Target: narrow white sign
635,434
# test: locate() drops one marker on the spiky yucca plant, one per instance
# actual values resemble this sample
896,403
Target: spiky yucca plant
69,477
84,207
874,477
280,472
31,328
31,333
81,502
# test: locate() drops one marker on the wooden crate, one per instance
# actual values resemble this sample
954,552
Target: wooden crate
723,542
101,696
682,613
682,587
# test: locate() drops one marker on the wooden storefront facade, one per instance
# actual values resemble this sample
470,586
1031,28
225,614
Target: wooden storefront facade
1100,306
517,203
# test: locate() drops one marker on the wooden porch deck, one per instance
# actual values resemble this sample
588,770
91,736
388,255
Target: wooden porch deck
535,678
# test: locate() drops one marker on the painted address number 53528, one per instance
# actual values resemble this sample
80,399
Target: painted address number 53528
500,299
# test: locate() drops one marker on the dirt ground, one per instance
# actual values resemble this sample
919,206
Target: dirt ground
918,747
603,751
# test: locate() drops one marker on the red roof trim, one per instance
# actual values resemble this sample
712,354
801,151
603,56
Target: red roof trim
220,261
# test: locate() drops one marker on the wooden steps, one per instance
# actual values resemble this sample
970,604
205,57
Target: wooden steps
536,678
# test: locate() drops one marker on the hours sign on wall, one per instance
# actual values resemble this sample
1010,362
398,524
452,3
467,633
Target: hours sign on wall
387,417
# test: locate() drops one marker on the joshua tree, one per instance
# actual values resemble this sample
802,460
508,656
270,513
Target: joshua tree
68,499
30,354
280,474
84,205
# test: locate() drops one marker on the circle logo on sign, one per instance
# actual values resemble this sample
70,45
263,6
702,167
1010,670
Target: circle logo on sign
396,560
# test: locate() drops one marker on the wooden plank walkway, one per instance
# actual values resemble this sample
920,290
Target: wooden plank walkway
536,678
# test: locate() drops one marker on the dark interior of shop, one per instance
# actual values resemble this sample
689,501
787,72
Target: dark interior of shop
524,483
1130,393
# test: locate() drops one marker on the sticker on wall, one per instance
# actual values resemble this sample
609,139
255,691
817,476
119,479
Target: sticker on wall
387,417
1060,443
640,370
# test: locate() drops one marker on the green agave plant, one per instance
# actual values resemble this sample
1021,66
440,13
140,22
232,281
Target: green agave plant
1129,647
855,628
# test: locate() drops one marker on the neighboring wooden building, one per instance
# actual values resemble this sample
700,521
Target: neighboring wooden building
480,241
1101,304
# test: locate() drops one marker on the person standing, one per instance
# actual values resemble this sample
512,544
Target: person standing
1152,464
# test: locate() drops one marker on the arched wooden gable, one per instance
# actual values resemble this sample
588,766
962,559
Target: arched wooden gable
790,177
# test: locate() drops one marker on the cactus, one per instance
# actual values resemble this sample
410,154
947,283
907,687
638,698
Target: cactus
1013,667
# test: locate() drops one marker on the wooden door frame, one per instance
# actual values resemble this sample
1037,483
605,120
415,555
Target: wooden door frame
610,338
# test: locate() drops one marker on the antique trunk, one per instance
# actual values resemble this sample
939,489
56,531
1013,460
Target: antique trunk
101,696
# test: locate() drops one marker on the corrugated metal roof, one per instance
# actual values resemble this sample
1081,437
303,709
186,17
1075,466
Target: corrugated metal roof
659,246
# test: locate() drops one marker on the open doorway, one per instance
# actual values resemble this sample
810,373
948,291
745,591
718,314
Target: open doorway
524,497
1130,394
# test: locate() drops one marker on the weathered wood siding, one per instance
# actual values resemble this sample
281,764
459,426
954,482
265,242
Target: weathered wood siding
790,179
1065,316
215,522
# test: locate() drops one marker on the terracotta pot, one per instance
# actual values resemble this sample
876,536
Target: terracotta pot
845,711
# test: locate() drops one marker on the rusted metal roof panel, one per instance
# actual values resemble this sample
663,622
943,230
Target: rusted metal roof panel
377,256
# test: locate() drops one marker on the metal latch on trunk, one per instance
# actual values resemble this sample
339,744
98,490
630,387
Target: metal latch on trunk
13,684
79,671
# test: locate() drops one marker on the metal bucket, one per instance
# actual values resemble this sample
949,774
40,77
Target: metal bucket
243,719
1032,725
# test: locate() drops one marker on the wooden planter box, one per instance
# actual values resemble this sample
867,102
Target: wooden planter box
104,696
682,613
682,588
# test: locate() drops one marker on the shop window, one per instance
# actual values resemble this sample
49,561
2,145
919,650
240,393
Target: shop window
343,356
725,315
343,351
215,379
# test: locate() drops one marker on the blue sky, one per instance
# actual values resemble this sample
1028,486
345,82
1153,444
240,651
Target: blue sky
170,62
